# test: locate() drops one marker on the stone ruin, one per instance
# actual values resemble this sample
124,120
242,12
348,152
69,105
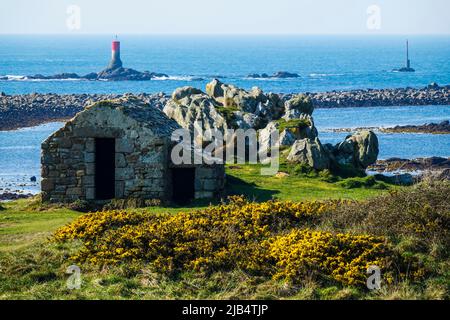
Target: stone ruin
121,149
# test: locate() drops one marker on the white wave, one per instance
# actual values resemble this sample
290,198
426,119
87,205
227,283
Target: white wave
320,75
270,79
178,78
25,78
11,77
48,80
20,148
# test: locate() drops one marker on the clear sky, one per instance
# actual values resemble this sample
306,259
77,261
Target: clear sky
226,16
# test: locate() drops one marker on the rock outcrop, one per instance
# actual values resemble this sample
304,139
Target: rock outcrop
310,152
286,137
434,128
126,74
297,106
430,95
232,97
252,105
190,107
226,106
419,164
434,168
359,150
117,74
276,75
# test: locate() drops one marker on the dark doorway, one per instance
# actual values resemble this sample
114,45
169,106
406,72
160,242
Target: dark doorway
105,149
183,182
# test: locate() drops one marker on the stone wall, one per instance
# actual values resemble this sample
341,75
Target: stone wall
142,160
67,168
68,159
209,181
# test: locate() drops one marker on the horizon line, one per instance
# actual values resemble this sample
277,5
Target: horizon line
221,34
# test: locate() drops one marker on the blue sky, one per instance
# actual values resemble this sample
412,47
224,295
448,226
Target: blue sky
226,17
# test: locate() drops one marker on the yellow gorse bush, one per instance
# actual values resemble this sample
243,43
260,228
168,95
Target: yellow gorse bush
270,238
343,257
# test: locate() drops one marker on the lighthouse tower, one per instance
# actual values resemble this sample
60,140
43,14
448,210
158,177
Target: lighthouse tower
115,62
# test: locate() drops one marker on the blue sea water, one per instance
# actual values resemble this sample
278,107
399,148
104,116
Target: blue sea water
402,145
323,62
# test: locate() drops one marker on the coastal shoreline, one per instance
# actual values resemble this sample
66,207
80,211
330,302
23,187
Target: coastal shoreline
27,110
430,128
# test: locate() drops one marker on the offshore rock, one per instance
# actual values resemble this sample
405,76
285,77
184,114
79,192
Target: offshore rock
276,75
122,74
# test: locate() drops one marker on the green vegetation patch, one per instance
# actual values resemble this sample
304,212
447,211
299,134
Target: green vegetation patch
362,182
228,114
292,124
295,183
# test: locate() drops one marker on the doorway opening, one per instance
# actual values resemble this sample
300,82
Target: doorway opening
105,153
183,182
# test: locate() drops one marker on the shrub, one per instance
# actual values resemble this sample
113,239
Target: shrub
229,115
301,169
365,182
80,205
293,124
343,257
270,239
347,171
420,213
326,175
131,203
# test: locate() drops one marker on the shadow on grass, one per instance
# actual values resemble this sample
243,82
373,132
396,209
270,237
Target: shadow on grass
236,186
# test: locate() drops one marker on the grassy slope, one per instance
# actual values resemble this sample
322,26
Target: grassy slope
21,226
246,180
31,268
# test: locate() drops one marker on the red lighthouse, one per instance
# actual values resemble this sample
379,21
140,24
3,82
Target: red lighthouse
115,56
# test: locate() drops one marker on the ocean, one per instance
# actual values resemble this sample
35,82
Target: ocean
324,63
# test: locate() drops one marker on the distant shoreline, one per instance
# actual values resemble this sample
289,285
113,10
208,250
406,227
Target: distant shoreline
27,110
433,128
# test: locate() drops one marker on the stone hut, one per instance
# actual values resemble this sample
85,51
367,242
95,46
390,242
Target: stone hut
121,149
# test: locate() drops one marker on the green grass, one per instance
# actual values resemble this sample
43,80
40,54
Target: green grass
24,222
292,124
21,226
228,114
246,180
33,268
